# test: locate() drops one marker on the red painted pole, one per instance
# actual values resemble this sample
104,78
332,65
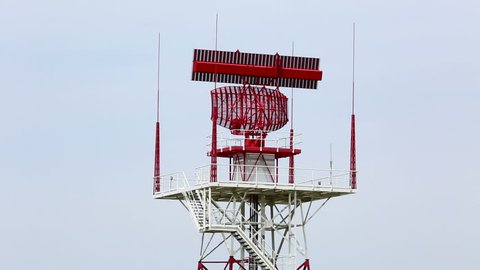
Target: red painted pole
156,170
156,166
353,161
353,154
291,167
213,152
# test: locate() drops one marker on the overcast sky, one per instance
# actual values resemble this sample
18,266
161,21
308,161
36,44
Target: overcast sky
77,113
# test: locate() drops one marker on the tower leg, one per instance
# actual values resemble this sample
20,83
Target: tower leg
305,265
231,262
201,266
253,227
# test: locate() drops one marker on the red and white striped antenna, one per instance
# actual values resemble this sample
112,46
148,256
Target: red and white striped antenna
156,169
353,157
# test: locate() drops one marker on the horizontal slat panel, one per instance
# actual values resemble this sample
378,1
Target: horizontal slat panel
292,70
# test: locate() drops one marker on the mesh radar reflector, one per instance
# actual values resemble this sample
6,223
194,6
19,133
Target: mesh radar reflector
249,109
256,69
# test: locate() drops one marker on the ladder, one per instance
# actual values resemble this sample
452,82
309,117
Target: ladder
195,202
196,207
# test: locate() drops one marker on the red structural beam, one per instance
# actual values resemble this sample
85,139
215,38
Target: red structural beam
257,71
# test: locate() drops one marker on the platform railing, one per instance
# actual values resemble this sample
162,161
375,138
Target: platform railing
274,140
258,175
173,182
271,175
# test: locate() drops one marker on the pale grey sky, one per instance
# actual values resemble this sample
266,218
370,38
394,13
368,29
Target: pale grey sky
77,112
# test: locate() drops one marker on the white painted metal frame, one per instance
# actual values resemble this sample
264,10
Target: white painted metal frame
261,223
304,178
272,240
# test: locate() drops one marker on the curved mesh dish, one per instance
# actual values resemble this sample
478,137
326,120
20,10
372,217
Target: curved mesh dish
249,109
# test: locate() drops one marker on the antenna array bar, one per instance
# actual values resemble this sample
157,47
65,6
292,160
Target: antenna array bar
256,69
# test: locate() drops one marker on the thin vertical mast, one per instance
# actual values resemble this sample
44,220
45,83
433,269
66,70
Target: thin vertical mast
331,164
291,102
213,152
353,156
353,70
156,170
291,159
216,47
158,79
